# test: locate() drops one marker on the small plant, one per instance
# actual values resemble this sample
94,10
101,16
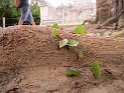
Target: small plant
95,69
72,42
68,42
70,72
54,32
63,43
80,30
56,26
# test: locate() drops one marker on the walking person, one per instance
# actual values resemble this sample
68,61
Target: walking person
26,14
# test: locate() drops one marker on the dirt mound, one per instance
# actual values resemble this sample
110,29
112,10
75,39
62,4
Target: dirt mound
31,62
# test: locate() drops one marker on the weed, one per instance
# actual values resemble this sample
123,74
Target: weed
56,26
68,42
54,33
80,30
70,72
95,69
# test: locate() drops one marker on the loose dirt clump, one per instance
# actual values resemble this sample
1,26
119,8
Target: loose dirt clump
31,62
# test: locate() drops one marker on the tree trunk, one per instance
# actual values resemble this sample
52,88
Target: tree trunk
110,11
103,10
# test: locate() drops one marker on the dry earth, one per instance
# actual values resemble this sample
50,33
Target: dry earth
31,62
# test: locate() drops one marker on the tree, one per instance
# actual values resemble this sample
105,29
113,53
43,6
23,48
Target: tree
4,6
8,10
110,11
35,10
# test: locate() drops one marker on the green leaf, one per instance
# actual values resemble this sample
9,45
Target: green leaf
80,30
56,26
70,72
95,69
69,42
54,33
63,43
72,42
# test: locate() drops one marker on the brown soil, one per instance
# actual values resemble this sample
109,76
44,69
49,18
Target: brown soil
31,62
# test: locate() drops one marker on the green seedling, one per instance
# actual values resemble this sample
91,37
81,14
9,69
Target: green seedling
68,42
63,43
70,72
72,42
95,69
80,30
55,26
54,33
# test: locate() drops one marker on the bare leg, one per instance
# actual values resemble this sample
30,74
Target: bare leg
21,22
32,22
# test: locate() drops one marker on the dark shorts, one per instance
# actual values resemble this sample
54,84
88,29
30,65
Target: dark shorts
26,14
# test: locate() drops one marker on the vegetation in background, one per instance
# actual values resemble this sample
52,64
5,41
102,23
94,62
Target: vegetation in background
5,5
35,10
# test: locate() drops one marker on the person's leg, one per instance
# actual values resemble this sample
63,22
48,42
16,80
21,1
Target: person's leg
20,22
30,19
24,15
32,22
